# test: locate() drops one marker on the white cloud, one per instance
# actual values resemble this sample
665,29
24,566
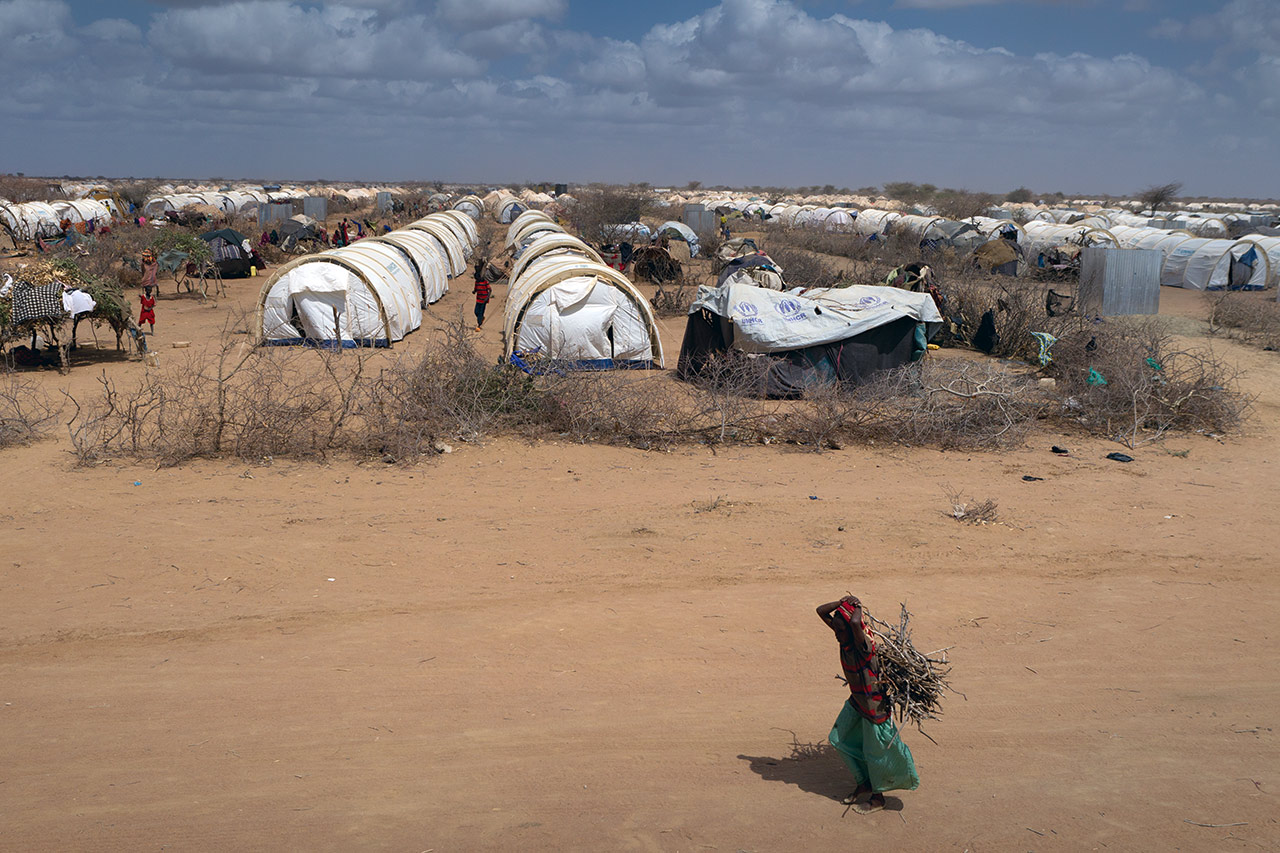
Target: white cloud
269,36
762,87
483,14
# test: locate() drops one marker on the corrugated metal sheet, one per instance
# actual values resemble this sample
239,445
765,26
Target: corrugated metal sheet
384,202
317,207
697,217
271,212
1119,281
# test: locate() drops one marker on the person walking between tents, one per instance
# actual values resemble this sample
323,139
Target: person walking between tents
864,734
150,266
482,291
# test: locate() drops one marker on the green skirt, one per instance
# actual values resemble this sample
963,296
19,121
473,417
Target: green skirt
874,752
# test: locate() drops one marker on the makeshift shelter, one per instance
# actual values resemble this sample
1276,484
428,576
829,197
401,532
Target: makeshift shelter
360,295
1001,257
756,269
816,337
679,231
296,232
579,313
233,253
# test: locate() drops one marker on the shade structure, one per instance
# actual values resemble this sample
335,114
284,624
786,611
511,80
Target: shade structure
571,308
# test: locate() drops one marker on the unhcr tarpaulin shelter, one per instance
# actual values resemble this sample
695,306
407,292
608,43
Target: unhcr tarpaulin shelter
526,220
818,336
572,309
370,293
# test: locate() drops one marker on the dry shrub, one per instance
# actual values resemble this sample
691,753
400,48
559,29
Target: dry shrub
1017,307
1245,318
236,402
1132,382
805,269
970,510
26,412
953,405
450,392
633,409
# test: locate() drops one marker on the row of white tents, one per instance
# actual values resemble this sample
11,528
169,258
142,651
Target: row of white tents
371,293
32,219
564,303
1196,258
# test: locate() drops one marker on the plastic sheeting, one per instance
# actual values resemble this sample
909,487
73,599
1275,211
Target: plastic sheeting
769,321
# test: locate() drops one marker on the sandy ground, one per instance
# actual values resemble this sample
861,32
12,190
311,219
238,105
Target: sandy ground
554,647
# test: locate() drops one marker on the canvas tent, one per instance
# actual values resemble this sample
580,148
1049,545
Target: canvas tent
818,336
448,238
470,205
1227,264
31,219
571,308
428,257
370,293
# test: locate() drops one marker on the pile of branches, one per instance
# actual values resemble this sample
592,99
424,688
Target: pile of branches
914,683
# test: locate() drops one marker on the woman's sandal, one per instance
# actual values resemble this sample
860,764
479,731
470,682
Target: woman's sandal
875,804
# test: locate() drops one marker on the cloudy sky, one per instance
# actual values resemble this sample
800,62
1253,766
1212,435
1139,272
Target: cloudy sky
1083,96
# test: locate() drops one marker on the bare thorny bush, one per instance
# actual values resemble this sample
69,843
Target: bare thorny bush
1134,383
237,401
26,412
247,403
1245,318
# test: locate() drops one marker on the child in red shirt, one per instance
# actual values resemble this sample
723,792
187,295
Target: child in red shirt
148,313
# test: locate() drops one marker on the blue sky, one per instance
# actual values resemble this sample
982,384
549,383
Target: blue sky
1083,96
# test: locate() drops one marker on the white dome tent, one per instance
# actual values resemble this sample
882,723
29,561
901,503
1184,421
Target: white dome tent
1218,264
31,219
551,244
428,257
470,205
524,221
569,307
370,293
448,240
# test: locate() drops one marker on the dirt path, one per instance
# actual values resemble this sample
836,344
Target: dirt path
548,646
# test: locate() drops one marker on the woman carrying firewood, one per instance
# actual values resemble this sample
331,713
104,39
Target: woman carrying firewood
864,733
